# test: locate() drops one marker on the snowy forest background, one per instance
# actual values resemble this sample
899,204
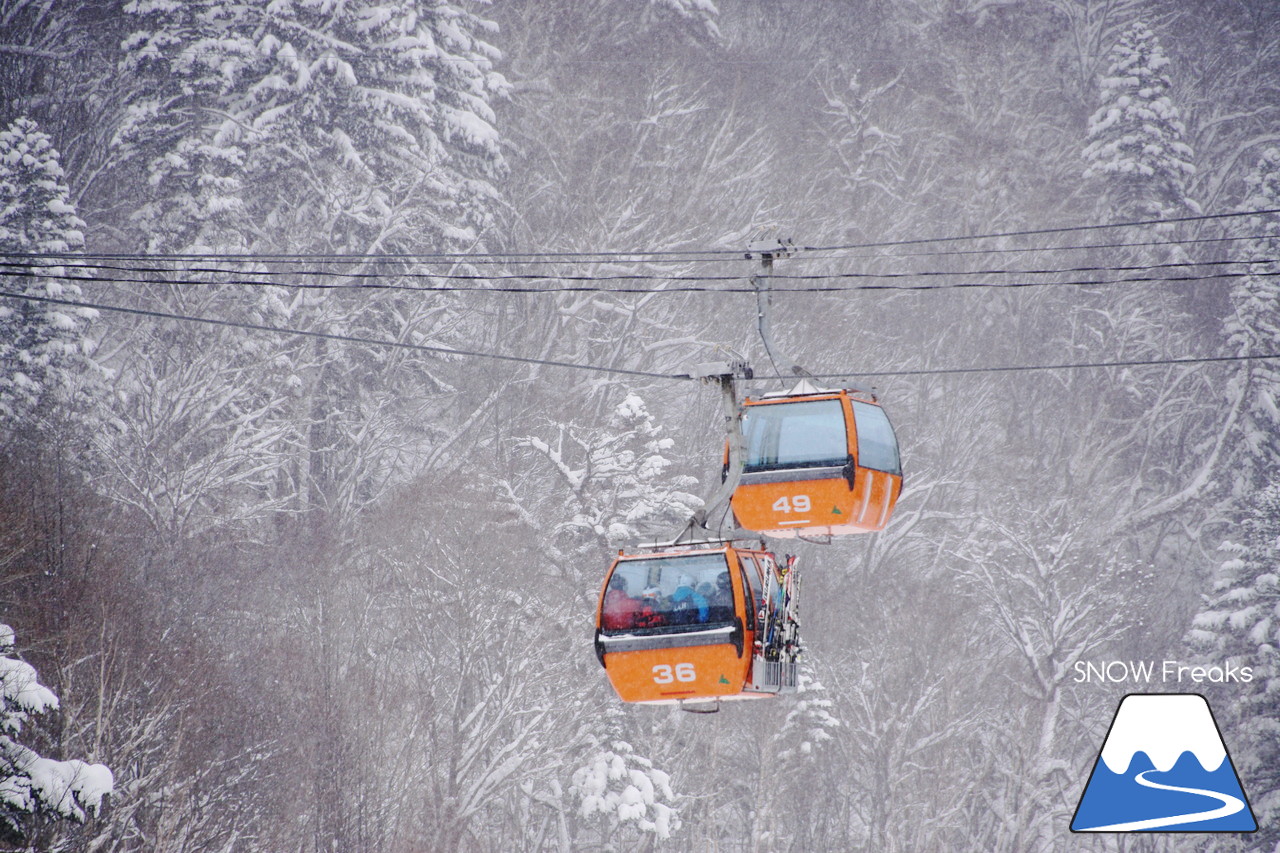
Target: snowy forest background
305,593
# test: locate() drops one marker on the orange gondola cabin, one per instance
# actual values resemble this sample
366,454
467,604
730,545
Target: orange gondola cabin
697,624
817,462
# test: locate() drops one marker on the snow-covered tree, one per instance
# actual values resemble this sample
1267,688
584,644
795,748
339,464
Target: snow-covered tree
36,36
620,790
619,486
1240,625
309,127
1240,622
42,344
810,722
1051,601
1254,325
1136,136
366,124
213,419
803,747
1092,25
30,784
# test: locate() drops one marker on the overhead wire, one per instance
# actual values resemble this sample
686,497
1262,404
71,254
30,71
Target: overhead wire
489,259
1022,368
366,341
375,281
1016,250
685,255
1202,217
495,259
85,264
38,270
332,336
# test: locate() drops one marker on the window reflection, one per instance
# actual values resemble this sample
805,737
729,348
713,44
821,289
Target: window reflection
795,435
877,445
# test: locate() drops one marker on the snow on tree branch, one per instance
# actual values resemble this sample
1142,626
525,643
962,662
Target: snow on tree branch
31,784
625,788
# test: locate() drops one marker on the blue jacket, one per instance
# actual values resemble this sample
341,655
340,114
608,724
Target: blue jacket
686,592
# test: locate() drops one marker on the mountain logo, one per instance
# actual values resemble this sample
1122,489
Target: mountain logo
1163,768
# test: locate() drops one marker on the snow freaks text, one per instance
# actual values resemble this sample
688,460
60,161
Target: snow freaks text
1168,672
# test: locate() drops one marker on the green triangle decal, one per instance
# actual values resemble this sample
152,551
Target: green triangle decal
724,680
835,510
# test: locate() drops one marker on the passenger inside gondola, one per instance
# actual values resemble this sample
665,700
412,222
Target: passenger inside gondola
672,593
687,604
620,609
721,599
652,612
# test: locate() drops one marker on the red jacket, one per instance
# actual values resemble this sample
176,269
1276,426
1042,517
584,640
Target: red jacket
620,611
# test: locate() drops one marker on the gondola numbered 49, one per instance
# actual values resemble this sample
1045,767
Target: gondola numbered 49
698,623
817,462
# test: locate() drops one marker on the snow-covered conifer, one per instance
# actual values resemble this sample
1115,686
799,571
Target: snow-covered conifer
622,790
310,127
810,722
620,488
1240,623
632,464
364,124
1241,626
1136,136
1254,325
31,785
41,343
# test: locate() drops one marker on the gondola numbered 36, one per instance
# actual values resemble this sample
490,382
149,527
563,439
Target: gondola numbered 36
816,462
698,623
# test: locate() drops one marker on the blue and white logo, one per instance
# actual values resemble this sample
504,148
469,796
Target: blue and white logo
1163,768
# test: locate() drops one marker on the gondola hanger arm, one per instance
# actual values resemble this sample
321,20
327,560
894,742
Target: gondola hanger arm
723,374
767,251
